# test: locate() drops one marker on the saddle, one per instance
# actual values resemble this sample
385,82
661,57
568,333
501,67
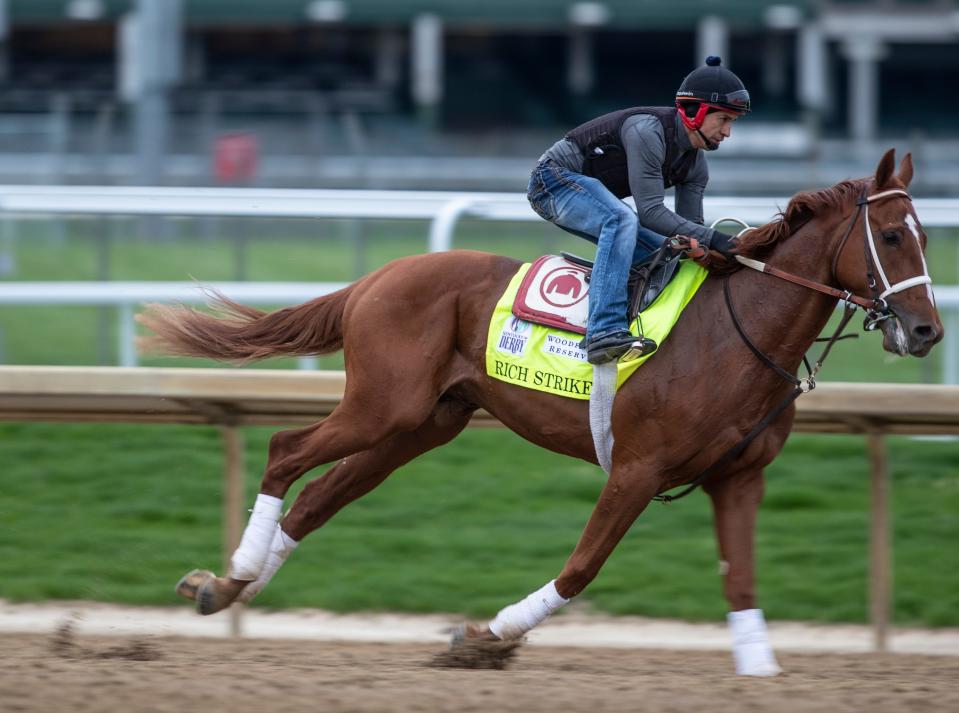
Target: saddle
554,291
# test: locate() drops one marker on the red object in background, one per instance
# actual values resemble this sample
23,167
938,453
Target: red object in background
235,157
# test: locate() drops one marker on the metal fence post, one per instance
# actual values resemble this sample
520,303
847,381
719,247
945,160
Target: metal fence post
950,347
444,223
126,335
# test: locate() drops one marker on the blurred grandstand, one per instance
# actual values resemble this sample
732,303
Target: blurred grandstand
450,94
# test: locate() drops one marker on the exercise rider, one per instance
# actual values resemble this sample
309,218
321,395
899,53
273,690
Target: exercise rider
579,182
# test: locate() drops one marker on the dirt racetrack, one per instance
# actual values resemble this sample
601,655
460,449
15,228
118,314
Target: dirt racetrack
65,672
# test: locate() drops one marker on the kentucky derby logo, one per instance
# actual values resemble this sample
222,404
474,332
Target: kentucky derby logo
520,326
563,287
512,340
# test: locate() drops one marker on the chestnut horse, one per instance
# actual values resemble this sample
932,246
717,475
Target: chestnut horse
414,338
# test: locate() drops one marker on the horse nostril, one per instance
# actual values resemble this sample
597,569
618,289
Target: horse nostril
924,332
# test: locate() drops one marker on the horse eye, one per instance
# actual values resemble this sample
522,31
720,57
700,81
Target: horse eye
891,237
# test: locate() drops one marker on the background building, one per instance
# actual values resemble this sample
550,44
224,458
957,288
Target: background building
451,94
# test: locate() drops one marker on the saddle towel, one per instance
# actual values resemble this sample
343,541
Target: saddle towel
553,293
546,358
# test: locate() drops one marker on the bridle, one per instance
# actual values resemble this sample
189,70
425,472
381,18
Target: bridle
876,308
880,310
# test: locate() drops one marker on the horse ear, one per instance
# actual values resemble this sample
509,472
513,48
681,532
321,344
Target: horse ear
905,169
885,168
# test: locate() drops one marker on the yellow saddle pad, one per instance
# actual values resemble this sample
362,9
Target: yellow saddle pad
550,360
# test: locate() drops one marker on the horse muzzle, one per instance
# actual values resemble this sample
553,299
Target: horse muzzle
906,334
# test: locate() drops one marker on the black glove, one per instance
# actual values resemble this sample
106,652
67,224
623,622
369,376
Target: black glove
723,244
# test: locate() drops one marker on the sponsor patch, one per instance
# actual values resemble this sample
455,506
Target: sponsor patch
563,345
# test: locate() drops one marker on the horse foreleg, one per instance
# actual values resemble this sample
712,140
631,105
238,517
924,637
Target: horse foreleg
625,496
348,480
736,501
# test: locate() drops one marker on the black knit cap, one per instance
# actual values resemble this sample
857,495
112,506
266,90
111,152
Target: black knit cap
714,85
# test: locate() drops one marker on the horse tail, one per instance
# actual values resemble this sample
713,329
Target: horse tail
240,334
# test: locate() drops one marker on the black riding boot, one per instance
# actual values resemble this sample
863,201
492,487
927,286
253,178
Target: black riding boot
619,346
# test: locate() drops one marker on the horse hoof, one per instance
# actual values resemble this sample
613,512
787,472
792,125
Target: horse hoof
478,648
216,594
466,633
190,582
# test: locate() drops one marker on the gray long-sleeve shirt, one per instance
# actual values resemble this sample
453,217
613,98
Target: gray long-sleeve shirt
645,144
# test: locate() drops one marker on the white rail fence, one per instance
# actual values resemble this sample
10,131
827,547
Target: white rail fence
442,209
127,296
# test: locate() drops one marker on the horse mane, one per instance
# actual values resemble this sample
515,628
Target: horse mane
759,242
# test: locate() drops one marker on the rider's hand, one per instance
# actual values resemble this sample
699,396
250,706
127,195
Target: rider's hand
723,244
685,246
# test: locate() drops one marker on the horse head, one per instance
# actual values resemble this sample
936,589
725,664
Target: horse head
881,254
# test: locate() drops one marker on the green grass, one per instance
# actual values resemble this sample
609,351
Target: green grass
118,513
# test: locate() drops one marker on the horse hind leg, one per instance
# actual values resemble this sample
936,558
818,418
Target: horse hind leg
353,427
388,392
212,593
349,479
190,583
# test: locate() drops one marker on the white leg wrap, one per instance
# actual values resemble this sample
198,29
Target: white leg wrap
516,619
249,557
280,549
751,649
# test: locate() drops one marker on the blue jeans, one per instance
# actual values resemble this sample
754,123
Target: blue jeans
583,206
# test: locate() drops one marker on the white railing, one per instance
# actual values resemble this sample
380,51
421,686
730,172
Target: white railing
126,296
442,209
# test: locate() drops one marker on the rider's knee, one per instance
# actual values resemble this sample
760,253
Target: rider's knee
625,222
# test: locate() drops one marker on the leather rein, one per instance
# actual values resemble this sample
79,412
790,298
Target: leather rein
876,310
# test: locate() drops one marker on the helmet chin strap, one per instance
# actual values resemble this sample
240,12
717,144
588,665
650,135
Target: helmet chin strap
695,123
709,145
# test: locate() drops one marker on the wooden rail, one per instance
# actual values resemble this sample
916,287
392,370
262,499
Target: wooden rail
285,397
238,397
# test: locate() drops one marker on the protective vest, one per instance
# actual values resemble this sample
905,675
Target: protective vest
604,156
